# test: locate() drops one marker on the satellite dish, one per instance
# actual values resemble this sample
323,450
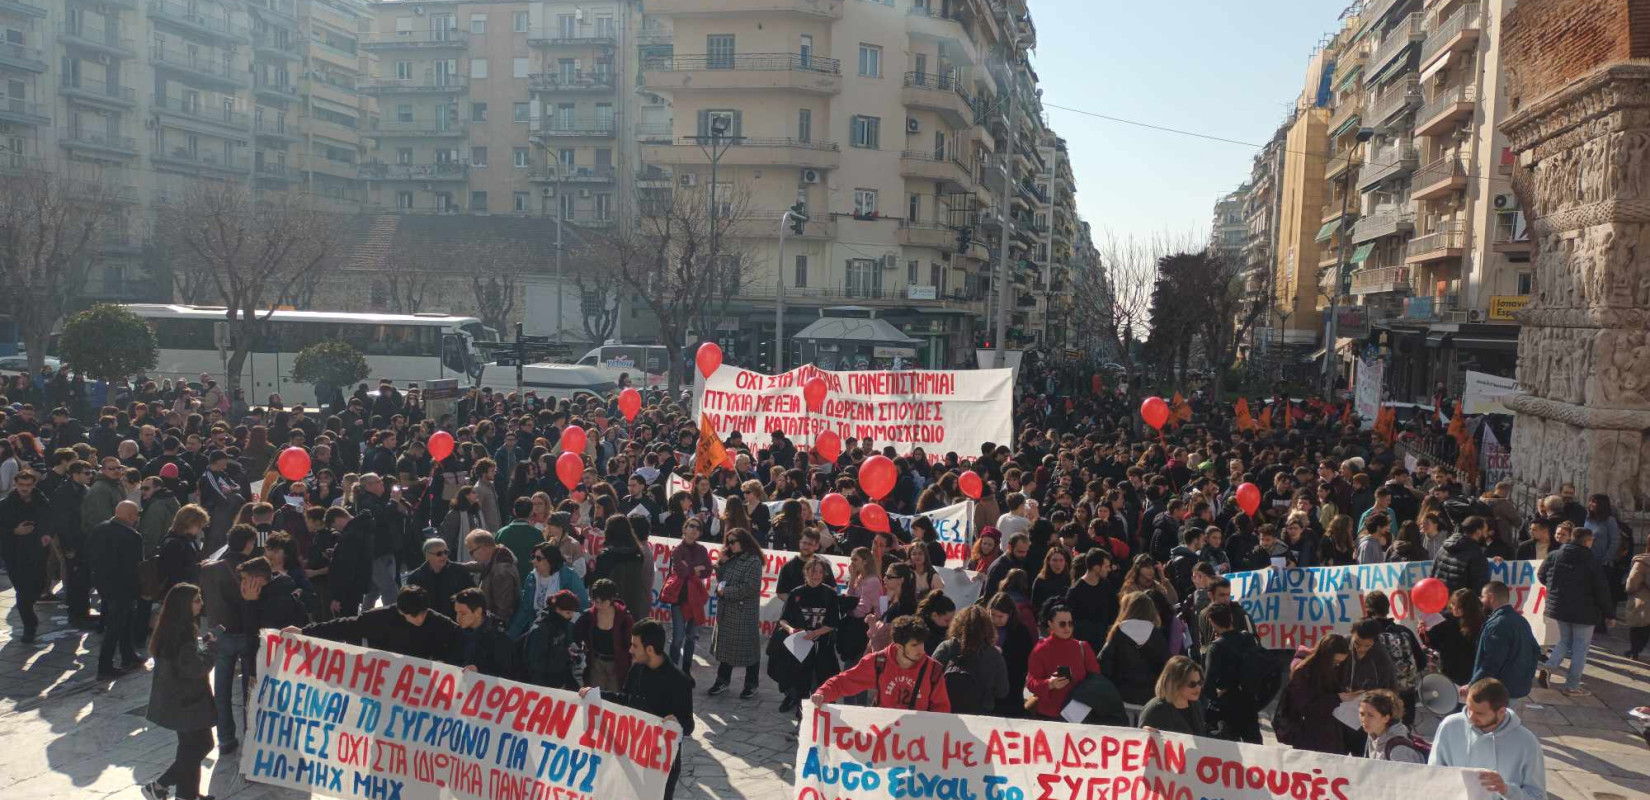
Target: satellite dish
1438,693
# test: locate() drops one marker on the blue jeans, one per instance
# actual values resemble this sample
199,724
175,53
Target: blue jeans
683,636
232,648
385,583
1572,640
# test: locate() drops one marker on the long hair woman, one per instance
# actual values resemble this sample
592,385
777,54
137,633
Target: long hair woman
180,697
1305,717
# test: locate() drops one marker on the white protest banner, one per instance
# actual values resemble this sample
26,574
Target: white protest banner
887,754
1483,393
1295,607
938,410
1366,390
346,721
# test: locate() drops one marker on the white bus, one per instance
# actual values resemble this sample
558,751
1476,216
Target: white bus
401,347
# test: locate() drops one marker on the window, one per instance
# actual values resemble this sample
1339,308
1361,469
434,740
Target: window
478,112
806,50
719,51
184,334
478,68
1524,282
870,61
936,277
604,26
567,207
478,24
404,200
911,269
403,70
478,156
565,156
721,194
521,158
867,132
444,203
521,201
801,281
403,155
521,111
711,115
864,278
518,22
519,67
865,202
922,66
805,125
604,157
913,209
403,112
567,26
604,206
478,201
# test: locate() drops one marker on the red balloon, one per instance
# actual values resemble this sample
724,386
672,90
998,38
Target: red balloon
293,464
970,484
1248,498
813,391
569,469
709,358
834,509
877,476
440,445
873,517
630,402
1429,596
829,445
1154,411
573,439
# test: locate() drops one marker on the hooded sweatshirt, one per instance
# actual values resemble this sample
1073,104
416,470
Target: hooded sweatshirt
1395,740
1510,750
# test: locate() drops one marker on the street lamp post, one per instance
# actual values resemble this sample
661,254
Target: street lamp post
794,219
715,146
1330,329
561,187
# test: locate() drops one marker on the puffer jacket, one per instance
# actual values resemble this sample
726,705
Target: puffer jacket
1638,592
1577,591
1461,564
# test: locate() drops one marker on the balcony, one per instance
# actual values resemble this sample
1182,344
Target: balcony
105,41
1447,108
274,10
1458,32
217,117
655,131
571,82
1344,160
1348,65
266,44
436,128
1512,235
277,129
200,69
1441,177
942,93
97,92
813,9
791,72
274,92
1392,162
1396,44
748,152
1440,245
1385,221
932,23
23,7
344,95
560,38
939,237
83,139
927,165
577,126
439,39
1381,279
1393,101
1345,116
197,161
188,18
13,109
275,171
414,172
429,84
550,173
335,54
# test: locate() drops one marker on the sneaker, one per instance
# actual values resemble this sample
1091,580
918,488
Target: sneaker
789,703
1542,679
229,747
717,688
154,791
1578,690
747,693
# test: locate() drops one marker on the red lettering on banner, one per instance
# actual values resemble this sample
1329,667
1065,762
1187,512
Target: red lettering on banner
632,738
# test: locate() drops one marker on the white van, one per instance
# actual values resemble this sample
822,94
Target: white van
557,381
639,361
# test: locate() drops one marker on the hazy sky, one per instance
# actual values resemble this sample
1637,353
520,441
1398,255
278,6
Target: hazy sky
1228,69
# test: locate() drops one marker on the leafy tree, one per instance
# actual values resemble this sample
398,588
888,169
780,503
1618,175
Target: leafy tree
334,363
108,342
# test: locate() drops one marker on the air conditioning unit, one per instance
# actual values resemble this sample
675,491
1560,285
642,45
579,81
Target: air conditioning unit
810,176
912,125
1505,201
418,11
890,260
584,193
687,180
548,191
1475,315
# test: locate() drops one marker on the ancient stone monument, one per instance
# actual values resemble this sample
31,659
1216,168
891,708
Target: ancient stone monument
1579,90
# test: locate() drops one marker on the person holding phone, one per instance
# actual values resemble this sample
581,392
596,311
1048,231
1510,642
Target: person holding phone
1058,663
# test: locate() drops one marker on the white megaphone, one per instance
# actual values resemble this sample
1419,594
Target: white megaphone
1438,693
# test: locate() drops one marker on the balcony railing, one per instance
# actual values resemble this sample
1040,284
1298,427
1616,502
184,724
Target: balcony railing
577,126
561,38
434,38
1394,100
795,62
293,46
1380,279
1341,162
216,116
182,155
1447,100
107,141
1384,221
277,127
1440,171
98,89
902,296
108,39
27,8
413,172
1465,18
200,65
655,130
554,81
423,127
941,82
16,109
428,83
1398,40
189,16
1387,163
753,141
552,173
1343,114
1451,237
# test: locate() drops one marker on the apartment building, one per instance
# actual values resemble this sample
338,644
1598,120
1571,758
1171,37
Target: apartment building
1262,205
149,97
1057,250
1229,225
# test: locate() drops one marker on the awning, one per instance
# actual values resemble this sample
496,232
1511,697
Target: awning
1435,339
1484,343
1343,343
1361,255
857,329
1350,123
1437,66
1350,76
1328,230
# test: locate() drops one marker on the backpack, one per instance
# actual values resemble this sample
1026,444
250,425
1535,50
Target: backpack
1459,508
149,584
1419,744
1404,669
965,689
1261,674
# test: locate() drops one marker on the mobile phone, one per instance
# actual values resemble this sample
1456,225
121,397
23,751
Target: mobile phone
1062,672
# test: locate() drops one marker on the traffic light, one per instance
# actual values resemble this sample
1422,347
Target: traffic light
799,218
965,237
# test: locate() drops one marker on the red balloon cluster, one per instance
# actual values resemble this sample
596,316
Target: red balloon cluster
293,464
813,391
1154,411
573,439
1248,498
876,477
834,509
873,517
709,358
569,469
630,402
829,445
440,445
970,484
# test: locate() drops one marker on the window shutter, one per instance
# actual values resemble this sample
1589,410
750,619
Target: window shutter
738,123
704,123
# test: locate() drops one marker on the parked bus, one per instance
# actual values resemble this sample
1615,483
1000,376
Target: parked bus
401,347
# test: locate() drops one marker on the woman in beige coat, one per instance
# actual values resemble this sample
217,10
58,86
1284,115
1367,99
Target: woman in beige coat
1638,605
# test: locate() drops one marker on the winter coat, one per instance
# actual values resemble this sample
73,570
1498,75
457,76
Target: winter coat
101,498
180,561
488,648
487,499
442,585
737,636
1313,713
1638,592
500,582
156,520
585,631
545,652
1577,591
1133,668
180,697
116,551
526,612
632,569
385,629
1461,564
1507,651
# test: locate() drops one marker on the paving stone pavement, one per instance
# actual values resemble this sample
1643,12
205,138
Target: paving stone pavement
64,734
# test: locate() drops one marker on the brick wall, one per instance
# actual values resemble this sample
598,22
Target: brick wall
1548,43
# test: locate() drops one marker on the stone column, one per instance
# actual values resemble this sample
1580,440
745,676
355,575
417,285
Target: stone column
1583,180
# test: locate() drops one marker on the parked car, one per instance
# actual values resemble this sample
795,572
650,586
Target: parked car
19,364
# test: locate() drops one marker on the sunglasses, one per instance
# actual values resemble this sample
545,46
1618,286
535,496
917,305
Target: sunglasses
1061,623
1194,684
442,553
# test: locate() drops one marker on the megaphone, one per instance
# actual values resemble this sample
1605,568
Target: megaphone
1438,693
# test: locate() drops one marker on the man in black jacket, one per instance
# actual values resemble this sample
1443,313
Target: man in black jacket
69,526
657,687
24,540
349,574
407,628
439,577
1461,563
116,548
1234,713
483,644
1579,600
389,529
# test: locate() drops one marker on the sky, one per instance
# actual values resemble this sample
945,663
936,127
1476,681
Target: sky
1227,68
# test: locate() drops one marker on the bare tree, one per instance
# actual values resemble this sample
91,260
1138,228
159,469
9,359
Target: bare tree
254,249
496,287
51,225
599,297
408,289
1224,314
666,259
1113,298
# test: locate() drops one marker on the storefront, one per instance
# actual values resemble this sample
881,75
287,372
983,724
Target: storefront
853,338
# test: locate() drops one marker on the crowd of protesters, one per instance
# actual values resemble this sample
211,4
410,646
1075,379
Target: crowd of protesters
1102,552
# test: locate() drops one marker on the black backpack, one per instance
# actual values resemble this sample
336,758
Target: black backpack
966,691
1459,508
1261,677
